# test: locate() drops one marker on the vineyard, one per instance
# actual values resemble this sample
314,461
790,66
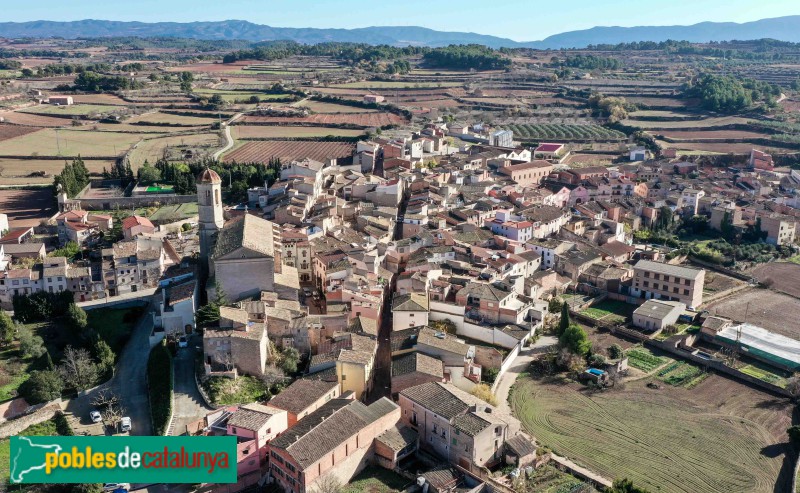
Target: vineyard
561,131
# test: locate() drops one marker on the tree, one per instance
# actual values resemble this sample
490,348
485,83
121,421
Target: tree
290,359
6,329
615,351
554,305
794,435
105,356
793,386
148,174
564,322
327,483
624,486
30,345
77,369
42,386
575,340
77,319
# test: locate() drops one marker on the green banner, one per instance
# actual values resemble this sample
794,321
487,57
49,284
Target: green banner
123,459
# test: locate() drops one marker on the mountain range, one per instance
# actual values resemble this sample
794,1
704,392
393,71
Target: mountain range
781,28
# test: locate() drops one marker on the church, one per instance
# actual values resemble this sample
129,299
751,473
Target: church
239,255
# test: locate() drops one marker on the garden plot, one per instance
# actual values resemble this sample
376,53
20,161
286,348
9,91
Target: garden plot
609,311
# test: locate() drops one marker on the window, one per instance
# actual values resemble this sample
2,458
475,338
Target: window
454,441
647,284
686,292
686,282
435,428
233,430
675,289
655,285
216,196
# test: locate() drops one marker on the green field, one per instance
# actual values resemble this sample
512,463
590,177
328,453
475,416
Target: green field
73,109
763,374
231,96
375,479
174,213
244,389
548,479
69,143
609,311
560,131
642,359
14,370
667,443
159,189
681,374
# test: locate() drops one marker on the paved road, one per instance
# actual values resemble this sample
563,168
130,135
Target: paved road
519,365
129,381
189,405
227,133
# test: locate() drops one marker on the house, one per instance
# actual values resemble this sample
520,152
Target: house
80,226
136,225
19,251
502,138
60,100
527,174
254,425
656,280
52,275
177,306
549,151
639,154
394,445
336,441
303,397
409,310
237,343
761,160
780,229
457,356
355,365
414,369
657,314
457,426
373,98
16,236
133,265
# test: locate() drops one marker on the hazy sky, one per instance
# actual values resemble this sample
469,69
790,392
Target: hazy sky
520,20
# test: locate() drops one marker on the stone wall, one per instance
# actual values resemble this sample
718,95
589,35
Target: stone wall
14,427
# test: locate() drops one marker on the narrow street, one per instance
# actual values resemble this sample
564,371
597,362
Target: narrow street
189,405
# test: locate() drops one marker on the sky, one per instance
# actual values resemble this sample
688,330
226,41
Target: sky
519,20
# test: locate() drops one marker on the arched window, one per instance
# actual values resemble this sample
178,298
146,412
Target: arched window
208,196
216,196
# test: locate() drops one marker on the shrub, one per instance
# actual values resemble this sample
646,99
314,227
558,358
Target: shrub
42,386
484,392
489,375
159,387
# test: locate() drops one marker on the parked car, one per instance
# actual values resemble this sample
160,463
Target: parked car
183,342
95,416
116,486
125,425
306,291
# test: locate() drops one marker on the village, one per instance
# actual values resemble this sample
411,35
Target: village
400,282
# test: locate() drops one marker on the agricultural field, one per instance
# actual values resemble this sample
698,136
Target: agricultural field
558,131
153,149
166,119
379,84
609,311
321,107
12,131
549,479
642,359
710,438
74,109
40,171
709,134
68,143
263,151
26,208
375,479
762,373
774,311
681,374
718,121
232,96
781,276
361,119
31,120
273,132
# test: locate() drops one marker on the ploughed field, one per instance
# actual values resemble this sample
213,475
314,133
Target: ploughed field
719,436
